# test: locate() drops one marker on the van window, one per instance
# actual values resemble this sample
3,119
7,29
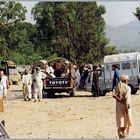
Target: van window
125,66
118,66
107,67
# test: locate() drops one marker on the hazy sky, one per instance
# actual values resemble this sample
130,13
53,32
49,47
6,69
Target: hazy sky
29,5
117,12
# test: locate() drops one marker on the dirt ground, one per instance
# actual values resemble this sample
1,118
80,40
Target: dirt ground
81,116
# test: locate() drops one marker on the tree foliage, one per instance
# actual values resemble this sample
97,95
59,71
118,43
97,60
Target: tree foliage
15,33
137,13
74,30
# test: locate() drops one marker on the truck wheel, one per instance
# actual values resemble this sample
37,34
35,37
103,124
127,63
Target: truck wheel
133,90
53,94
43,94
104,93
10,82
71,93
48,94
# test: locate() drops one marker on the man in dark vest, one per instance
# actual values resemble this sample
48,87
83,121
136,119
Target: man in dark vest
116,77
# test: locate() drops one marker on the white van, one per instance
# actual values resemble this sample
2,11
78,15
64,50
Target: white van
128,63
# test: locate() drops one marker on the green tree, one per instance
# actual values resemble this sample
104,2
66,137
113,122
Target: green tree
72,30
109,50
25,46
137,13
11,14
16,35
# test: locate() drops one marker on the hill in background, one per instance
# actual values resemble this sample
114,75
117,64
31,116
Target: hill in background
125,37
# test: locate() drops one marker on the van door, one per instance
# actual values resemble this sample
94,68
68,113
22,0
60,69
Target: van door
109,74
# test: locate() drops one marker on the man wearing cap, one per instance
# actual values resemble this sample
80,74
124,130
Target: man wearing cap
37,78
122,94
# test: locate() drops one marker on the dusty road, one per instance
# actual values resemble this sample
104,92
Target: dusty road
81,116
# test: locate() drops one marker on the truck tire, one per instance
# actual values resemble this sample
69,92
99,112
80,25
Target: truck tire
71,93
48,94
104,93
44,94
53,94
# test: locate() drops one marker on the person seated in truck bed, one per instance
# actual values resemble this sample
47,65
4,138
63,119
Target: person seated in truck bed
66,72
59,68
49,70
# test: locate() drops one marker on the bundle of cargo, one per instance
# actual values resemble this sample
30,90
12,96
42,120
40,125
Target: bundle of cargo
63,79
40,63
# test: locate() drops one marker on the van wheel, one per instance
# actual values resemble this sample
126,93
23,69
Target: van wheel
133,90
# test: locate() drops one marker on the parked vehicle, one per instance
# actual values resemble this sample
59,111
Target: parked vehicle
128,63
11,71
61,81
14,76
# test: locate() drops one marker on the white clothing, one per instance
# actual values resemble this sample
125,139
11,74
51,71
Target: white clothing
78,77
37,77
27,82
49,69
38,83
89,81
1,89
27,79
4,81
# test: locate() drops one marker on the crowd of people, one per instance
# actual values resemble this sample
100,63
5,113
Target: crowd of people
86,76
33,84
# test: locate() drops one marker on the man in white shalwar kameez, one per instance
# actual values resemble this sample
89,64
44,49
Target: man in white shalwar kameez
27,82
37,78
78,77
4,81
122,94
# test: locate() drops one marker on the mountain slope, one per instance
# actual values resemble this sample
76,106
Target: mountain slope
125,37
